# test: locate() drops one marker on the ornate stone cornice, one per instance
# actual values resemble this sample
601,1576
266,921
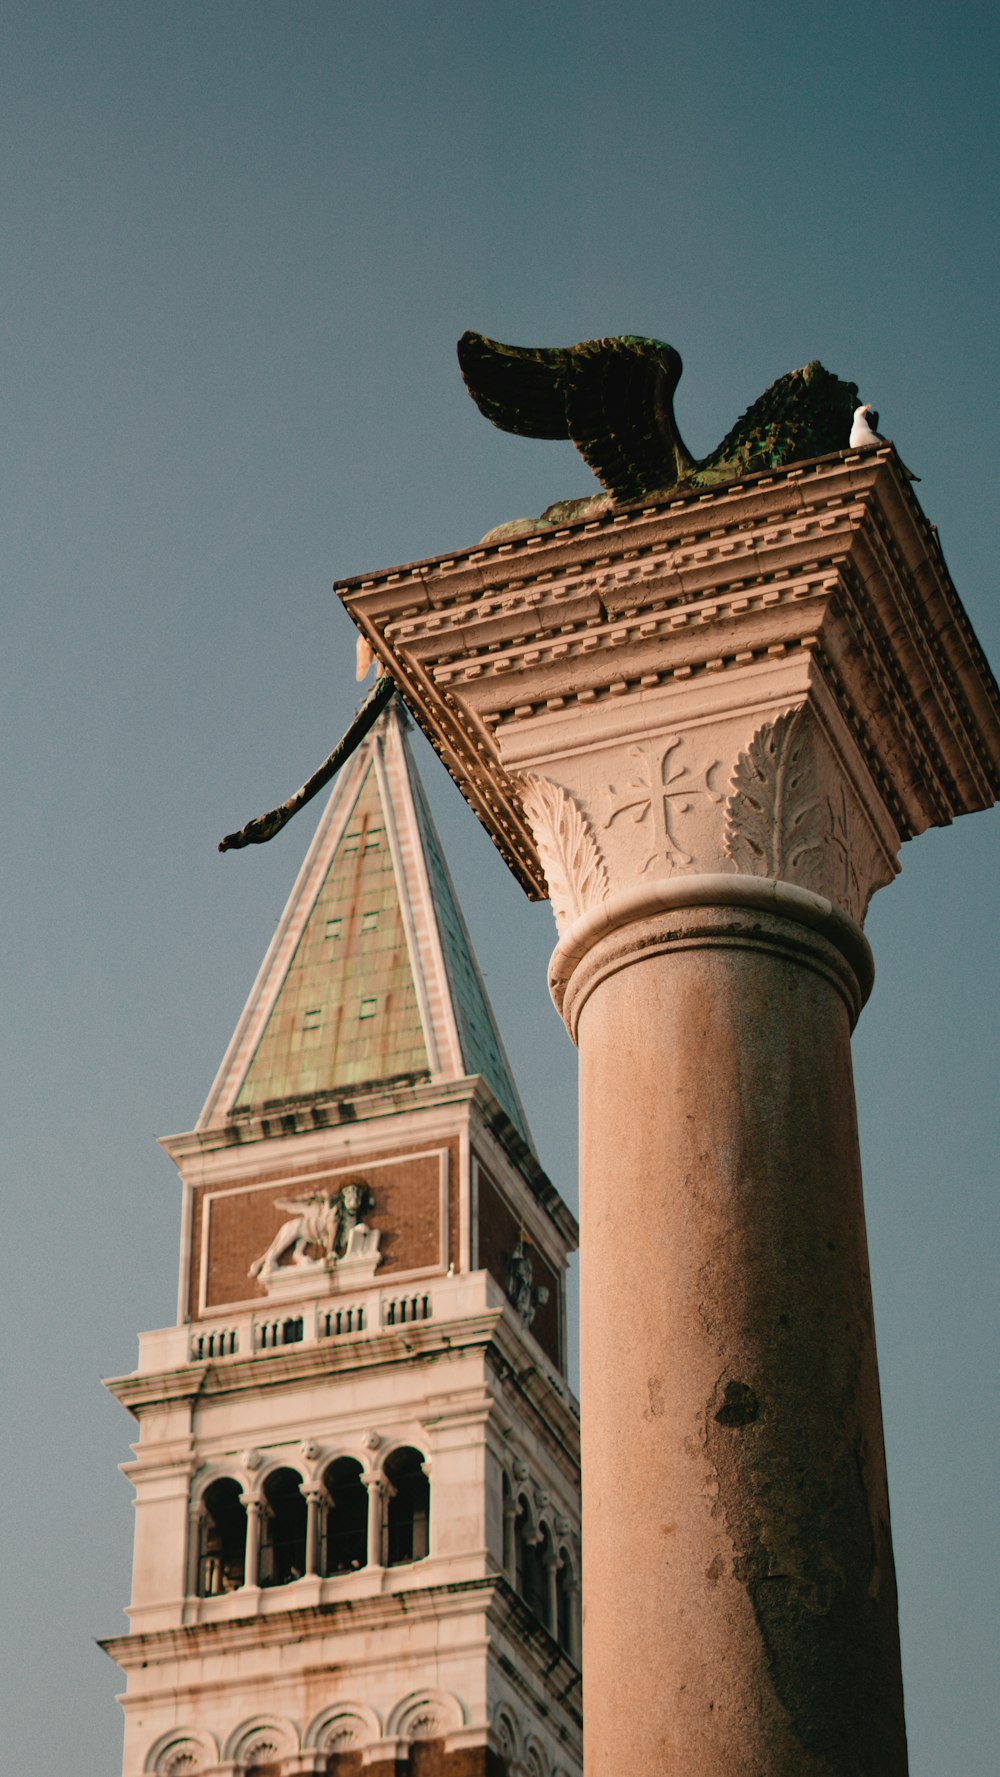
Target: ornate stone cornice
821,587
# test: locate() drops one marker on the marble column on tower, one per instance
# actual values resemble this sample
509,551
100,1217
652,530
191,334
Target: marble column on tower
703,728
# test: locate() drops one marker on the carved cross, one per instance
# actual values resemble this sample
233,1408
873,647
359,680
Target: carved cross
663,786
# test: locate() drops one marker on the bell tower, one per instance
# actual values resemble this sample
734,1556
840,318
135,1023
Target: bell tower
357,1467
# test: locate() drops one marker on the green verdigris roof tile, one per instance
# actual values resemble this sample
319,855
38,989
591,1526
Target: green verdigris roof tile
371,979
346,1043
480,1040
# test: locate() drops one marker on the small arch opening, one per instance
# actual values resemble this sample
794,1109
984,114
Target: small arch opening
283,1532
222,1539
407,1522
345,1521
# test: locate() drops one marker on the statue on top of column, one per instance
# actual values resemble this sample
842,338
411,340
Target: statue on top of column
614,399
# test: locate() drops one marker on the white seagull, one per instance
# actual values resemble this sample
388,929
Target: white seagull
864,431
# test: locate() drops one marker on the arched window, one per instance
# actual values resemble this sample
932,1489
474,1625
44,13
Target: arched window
222,1539
345,1521
283,1531
407,1517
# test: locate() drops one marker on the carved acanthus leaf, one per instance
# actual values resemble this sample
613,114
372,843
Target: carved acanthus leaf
574,868
793,816
774,818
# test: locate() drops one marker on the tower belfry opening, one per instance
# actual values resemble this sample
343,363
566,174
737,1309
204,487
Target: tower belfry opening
357,1470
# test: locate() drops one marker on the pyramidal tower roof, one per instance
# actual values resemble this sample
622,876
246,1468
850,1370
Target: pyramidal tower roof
370,980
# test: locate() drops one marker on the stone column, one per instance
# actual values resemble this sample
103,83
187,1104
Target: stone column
550,1562
509,1535
314,1499
251,1569
575,1630
704,729
732,1443
378,1490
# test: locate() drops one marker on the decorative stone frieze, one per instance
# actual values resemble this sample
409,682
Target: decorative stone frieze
182,1751
343,1728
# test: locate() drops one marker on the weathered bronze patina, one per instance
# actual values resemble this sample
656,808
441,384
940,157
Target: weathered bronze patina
264,826
614,399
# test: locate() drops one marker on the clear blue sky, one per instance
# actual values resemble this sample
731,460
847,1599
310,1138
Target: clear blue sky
239,243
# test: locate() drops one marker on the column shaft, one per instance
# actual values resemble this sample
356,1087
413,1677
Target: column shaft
376,1492
313,1503
736,1529
251,1570
552,1595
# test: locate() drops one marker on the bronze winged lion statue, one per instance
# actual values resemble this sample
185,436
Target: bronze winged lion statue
614,399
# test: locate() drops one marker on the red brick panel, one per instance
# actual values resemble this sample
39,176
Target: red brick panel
349,1764
498,1231
243,1220
427,1759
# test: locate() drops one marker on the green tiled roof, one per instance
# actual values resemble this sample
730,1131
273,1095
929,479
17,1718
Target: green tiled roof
341,1001
346,1013
482,1051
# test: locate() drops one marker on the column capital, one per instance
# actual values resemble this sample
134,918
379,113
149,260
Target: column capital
774,680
